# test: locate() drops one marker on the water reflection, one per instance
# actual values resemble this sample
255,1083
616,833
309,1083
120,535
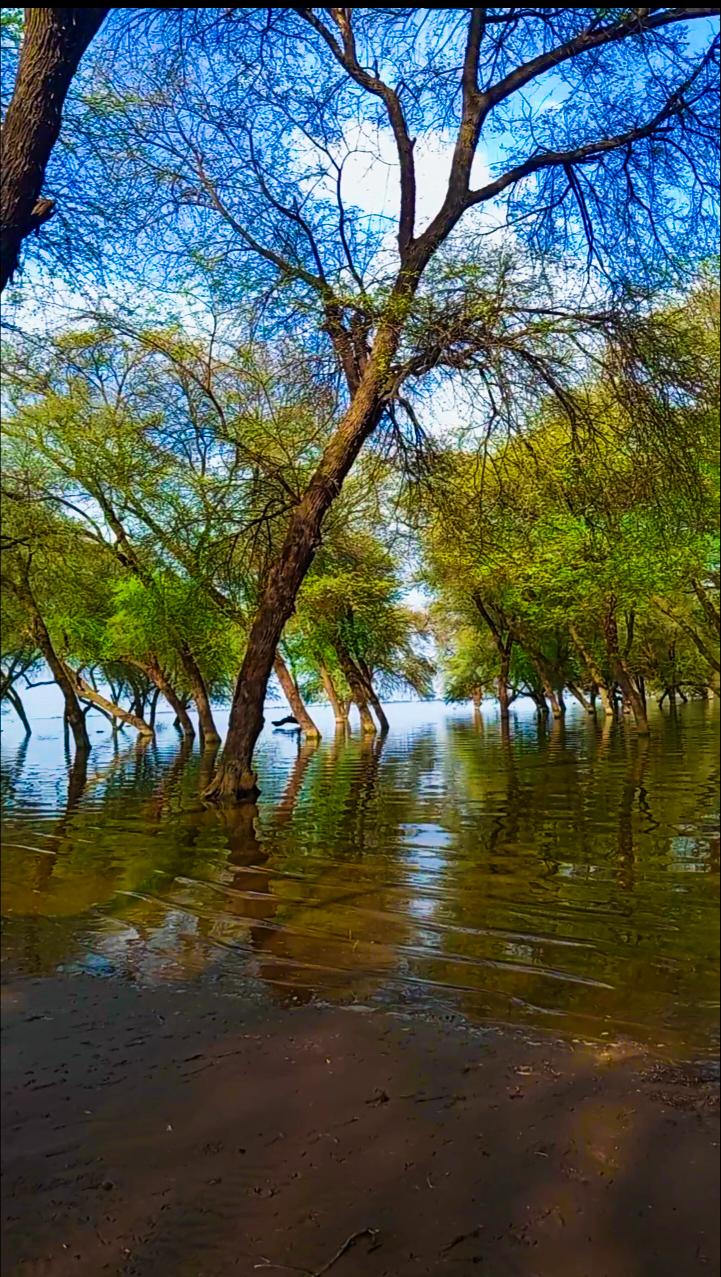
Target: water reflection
561,873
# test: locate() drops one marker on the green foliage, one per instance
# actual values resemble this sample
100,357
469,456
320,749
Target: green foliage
586,518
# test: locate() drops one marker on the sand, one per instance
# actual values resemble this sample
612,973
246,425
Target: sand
157,1131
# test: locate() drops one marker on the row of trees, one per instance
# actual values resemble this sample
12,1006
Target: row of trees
205,153
583,557
138,529
141,517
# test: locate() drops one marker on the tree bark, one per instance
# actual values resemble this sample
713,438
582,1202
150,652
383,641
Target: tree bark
235,779
157,675
359,693
373,697
378,709
539,701
87,693
16,702
710,610
54,41
504,699
340,712
579,696
544,671
208,730
593,671
558,708
294,698
73,716
623,677
153,708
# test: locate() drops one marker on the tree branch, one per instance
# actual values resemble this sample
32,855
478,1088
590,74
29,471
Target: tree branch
346,54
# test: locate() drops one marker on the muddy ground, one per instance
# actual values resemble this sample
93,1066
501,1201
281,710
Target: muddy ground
181,1132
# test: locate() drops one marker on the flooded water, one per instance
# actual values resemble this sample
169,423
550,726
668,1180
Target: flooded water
564,877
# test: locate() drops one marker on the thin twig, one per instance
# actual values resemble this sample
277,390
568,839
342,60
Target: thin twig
319,1272
363,1232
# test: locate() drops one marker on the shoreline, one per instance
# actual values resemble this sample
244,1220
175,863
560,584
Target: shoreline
187,1132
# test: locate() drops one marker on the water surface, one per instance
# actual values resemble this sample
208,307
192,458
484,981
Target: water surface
561,876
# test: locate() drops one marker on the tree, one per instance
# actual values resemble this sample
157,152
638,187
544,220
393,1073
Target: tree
635,122
19,658
351,620
53,42
570,543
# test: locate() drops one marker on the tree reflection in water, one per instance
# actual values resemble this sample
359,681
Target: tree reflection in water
560,873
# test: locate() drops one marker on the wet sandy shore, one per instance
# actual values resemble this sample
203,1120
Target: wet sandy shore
181,1132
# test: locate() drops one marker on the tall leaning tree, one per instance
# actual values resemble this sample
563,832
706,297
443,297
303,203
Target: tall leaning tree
584,131
53,42
606,151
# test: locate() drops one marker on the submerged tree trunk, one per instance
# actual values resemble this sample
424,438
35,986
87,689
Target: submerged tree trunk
539,701
235,779
157,675
16,702
87,693
54,41
544,672
208,730
74,717
378,709
558,708
340,711
631,695
373,697
153,707
294,698
359,690
576,692
593,670
367,722
504,699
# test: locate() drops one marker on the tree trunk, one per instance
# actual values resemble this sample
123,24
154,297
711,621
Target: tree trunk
545,674
503,697
16,702
373,697
367,722
593,671
359,690
54,41
710,610
235,779
87,693
340,712
208,730
74,717
157,675
579,696
477,697
606,701
294,698
379,710
630,692
539,701
153,708
558,708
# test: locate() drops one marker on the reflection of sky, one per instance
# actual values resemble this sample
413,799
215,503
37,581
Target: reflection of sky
424,863
688,854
